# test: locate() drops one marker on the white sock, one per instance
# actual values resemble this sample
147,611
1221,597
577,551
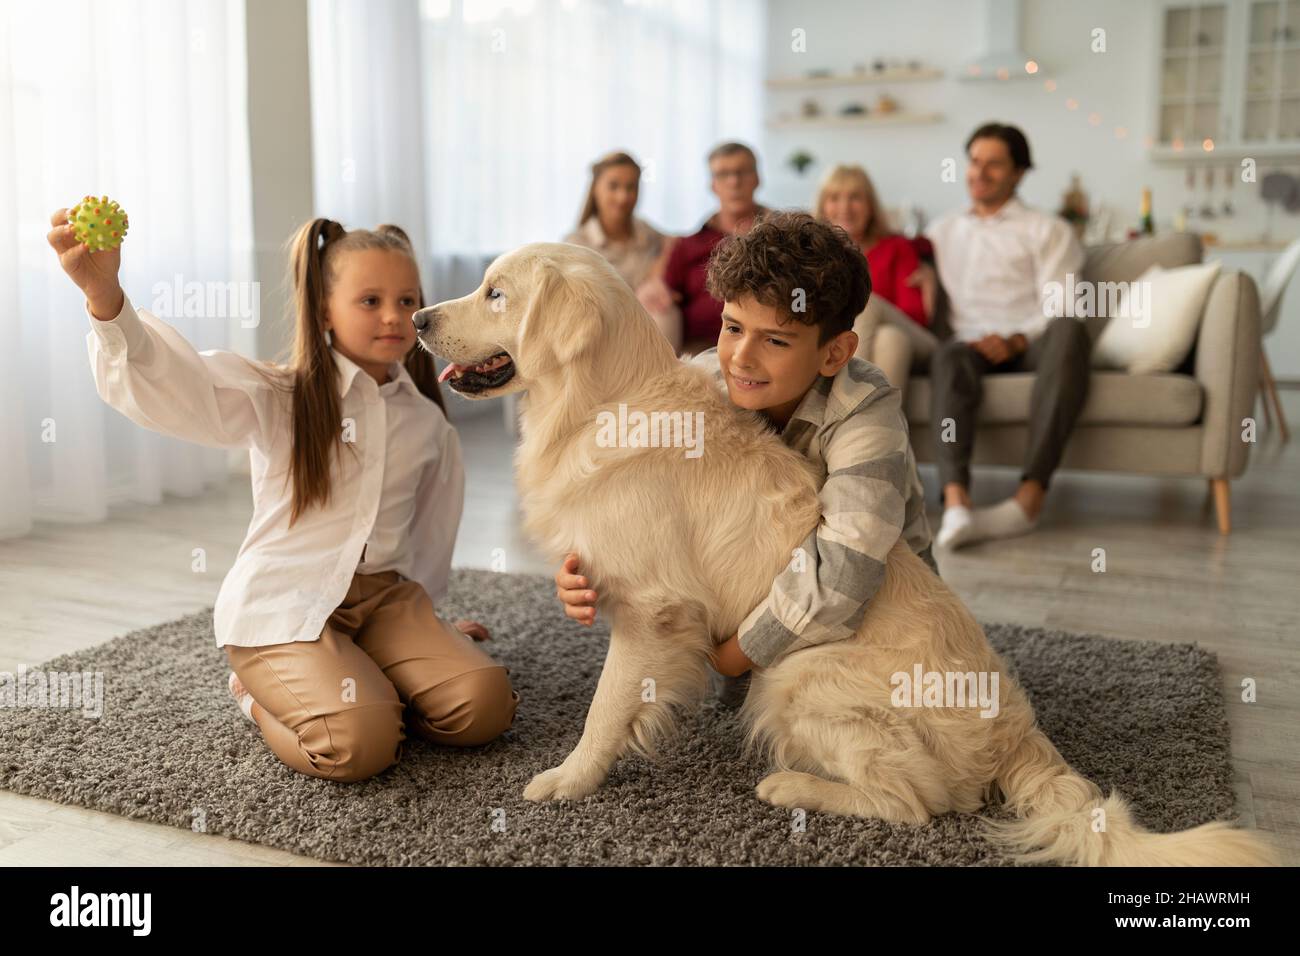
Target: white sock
955,528
245,700
1003,520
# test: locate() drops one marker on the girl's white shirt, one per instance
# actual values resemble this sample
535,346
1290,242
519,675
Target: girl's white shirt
399,498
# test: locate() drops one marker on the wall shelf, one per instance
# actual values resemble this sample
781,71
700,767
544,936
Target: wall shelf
852,79
1223,154
856,122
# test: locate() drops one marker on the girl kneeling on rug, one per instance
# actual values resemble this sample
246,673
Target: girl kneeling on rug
327,616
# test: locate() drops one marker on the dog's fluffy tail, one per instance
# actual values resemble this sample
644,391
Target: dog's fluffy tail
1064,818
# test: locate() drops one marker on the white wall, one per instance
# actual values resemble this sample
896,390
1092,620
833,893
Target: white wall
905,161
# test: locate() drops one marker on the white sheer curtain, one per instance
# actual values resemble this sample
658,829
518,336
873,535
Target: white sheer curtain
473,122
145,102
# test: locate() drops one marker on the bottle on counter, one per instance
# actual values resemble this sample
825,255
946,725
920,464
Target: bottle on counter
1146,225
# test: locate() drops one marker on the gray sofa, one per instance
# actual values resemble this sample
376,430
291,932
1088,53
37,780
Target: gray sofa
1187,423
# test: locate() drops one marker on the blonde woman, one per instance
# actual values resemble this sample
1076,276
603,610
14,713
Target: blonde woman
893,331
608,222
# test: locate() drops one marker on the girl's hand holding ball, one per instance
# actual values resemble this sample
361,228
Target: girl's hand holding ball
97,225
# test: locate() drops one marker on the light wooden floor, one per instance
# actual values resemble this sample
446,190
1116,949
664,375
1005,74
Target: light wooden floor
1170,576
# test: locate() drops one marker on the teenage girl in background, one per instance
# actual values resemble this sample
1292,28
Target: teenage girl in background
327,616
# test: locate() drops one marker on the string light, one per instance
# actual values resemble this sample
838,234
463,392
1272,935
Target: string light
1031,67
1095,119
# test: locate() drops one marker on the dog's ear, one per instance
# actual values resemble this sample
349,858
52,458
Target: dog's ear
562,321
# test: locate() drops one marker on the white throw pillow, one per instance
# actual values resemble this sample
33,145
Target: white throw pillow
1155,331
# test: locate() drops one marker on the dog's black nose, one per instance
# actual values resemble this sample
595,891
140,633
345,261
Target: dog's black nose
423,319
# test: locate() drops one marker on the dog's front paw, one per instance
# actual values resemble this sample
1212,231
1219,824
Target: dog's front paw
559,783
786,788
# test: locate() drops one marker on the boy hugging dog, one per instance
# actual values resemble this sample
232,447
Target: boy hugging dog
791,288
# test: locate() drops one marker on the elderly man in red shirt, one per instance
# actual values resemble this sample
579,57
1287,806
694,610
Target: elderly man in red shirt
683,309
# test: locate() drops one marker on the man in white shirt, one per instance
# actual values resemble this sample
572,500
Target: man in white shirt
996,261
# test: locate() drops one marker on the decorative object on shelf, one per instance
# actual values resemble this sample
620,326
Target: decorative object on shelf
1074,206
820,73
886,104
853,109
1146,223
1228,180
800,160
878,66
810,109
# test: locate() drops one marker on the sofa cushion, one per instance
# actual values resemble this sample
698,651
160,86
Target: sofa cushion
1114,398
1161,333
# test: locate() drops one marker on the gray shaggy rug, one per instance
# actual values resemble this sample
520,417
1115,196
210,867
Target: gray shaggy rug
171,747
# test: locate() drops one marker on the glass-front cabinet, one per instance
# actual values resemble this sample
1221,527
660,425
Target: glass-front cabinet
1228,78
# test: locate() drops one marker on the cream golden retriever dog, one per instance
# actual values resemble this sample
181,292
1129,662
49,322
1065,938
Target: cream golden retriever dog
682,547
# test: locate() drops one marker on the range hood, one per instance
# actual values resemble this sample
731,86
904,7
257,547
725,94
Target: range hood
1003,58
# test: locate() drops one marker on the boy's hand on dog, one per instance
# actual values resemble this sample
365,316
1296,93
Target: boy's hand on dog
571,588
95,273
728,659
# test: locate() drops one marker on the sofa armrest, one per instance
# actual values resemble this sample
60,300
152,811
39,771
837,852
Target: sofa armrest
1227,366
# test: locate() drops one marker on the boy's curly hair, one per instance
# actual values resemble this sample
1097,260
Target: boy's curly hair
785,252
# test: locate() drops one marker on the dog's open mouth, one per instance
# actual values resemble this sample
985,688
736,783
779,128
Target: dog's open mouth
491,373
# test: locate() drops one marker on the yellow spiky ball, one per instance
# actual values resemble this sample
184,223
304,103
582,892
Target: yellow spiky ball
98,223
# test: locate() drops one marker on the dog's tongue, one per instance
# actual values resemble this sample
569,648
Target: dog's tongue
450,370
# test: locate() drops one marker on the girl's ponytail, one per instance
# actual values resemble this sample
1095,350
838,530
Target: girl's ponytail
306,259
317,411
396,232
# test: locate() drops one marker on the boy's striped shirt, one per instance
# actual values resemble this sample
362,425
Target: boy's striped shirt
853,429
